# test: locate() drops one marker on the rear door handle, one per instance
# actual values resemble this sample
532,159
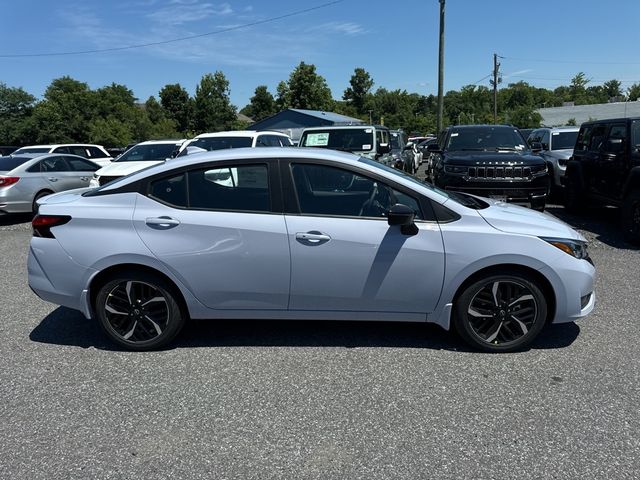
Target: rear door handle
84,179
312,238
52,179
162,223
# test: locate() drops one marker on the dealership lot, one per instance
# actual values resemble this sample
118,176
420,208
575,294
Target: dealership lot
249,399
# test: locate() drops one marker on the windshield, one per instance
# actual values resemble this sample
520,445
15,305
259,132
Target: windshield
9,163
395,141
563,140
221,143
347,139
485,138
148,153
32,150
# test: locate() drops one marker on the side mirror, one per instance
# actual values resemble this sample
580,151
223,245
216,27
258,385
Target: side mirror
384,148
536,147
404,216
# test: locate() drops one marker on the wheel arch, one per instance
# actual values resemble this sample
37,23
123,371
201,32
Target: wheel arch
48,191
510,268
632,183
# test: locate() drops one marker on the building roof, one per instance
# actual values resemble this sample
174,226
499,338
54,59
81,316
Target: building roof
583,113
335,118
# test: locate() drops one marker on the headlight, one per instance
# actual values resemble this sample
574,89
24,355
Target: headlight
575,248
455,169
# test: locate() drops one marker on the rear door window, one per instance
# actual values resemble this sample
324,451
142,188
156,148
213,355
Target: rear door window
54,164
81,165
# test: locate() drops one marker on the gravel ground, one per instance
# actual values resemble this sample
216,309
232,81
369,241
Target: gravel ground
262,400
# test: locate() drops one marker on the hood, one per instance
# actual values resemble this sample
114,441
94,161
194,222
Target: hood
563,154
473,158
120,169
520,220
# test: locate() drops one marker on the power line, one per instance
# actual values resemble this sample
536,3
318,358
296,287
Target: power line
570,61
164,42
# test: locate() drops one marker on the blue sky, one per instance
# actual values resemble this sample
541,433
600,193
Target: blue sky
545,42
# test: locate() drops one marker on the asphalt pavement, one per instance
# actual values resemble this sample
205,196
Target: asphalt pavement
298,400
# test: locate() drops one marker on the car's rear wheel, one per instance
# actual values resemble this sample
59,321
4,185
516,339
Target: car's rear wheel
501,312
631,217
139,311
39,195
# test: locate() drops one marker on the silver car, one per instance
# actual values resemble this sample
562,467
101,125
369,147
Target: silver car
555,145
303,233
26,178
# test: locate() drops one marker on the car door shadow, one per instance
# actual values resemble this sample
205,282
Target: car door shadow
68,327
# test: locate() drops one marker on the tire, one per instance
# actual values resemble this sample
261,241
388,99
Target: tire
485,312
573,196
631,217
139,311
39,195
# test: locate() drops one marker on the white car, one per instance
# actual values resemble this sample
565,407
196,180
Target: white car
140,156
237,139
95,153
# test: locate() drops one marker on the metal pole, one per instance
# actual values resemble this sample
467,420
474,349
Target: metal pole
495,88
440,70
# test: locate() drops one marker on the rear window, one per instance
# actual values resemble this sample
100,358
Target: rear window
148,153
9,163
221,143
32,150
563,140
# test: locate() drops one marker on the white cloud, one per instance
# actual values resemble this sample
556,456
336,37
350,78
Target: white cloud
178,12
346,28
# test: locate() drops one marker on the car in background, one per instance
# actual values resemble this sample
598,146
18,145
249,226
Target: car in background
95,153
427,156
555,145
142,155
403,153
237,139
303,234
7,150
605,170
525,132
24,179
491,161
371,141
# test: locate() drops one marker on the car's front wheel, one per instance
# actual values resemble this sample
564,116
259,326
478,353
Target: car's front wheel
631,217
500,312
139,311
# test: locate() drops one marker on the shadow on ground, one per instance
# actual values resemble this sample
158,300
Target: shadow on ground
68,327
15,218
603,222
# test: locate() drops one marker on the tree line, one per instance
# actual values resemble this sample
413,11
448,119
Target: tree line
70,111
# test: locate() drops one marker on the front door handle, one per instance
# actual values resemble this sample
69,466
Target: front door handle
312,238
162,223
52,179
84,179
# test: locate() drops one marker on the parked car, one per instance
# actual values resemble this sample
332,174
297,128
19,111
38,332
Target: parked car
605,170
403,153
303,234
7,150
95,153
237,139
525,132
555,145
427,156
142,155
490,161
372,141
26,178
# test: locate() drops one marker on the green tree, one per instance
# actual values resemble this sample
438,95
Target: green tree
16,107
261,105
213,109
577,88
109,132
307,89
282,96
178,106
612,88
572,122
154,110
633,93
524,117
359,90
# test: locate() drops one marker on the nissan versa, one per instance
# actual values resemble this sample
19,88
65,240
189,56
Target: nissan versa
303,233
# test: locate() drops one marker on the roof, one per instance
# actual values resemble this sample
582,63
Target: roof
238,133
55,145
160,142
584,113
336,118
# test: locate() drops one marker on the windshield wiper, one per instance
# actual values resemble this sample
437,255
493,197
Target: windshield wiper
508,149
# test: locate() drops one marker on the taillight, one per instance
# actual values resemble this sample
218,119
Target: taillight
42,224
6,181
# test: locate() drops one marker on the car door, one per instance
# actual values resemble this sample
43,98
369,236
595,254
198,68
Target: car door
591,159
57,172
217,228
344,255
612,160
83,170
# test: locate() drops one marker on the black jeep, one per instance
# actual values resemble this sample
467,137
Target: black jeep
605,170
490,161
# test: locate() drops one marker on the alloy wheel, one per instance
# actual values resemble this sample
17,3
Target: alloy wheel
502,312
136,311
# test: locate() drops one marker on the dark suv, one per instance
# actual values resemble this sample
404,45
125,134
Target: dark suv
605,169
490,161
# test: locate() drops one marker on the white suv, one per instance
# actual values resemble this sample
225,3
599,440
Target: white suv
140,156
237,139
95,153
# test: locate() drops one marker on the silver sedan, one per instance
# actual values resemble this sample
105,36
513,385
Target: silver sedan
26,178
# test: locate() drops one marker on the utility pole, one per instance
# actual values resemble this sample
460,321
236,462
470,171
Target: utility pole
440,70
495,81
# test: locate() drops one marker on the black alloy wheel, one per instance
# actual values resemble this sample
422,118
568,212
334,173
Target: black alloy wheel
500,313
139,312
631,217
